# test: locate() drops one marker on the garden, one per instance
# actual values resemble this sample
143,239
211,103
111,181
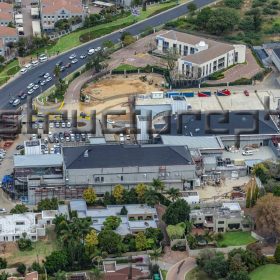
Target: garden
268,271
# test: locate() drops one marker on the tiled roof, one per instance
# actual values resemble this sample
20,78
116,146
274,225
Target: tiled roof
53,6
7,31
6,16
6,6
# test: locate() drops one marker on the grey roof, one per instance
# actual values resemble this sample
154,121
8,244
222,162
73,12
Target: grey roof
277,52
195,142
205,124
38,160
214,50
78,205
110,156
97,140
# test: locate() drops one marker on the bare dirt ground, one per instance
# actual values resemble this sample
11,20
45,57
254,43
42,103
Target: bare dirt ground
113,91
209,192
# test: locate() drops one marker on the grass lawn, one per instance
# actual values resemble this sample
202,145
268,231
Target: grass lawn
163,273
9,70
268,271
236,238
41,248
196,274
73,40
123,67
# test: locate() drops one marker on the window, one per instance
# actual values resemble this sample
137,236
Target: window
186,50
19,223
192,51
97,179
121,178
102,179
221,222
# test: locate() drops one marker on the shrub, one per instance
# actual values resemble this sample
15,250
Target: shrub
24,244
236,4
3,263
21,268
277,253
216,76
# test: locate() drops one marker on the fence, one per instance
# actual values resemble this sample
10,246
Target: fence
195,253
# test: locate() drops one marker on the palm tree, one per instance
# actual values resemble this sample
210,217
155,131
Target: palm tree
158,185
97,274
151,197
56,72
80,227
173,194
155,254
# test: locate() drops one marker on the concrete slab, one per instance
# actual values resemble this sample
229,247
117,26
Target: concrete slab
204,103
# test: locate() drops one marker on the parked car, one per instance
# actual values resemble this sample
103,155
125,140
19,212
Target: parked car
16,102
72,56
246,92
75,60
12,100
46,75
83,56
19,147
3,210
31,85
247,153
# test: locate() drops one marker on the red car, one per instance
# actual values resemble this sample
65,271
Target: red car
246,92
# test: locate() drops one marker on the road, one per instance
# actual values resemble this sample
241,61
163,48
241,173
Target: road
180,269
20,83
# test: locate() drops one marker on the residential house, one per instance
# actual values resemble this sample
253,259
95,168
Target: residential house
53,11
6,14
139,217
200,57
12,227
223,218
7,35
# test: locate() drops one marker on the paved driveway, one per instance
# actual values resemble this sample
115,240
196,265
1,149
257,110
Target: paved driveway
180,269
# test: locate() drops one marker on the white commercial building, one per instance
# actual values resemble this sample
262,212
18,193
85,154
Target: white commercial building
200,57
191,197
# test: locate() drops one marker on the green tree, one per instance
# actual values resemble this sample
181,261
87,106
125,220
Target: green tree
236,4
2,59
222,20
216,267
97,274
238,275
110,242
155,254
56,261
140,241
89,195
91,240
248,198
158,185
123,211
21,268
19,209
236,263
177,212
24,244
154,233
192,8
203,17
112,222
277,253
141,189
151,197
4,275
118,192
128,39
261,171
60,275
47,204
37,267
3,263
56,73
173,194
108,44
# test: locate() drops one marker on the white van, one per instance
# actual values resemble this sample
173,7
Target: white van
43,58
35,62
91,51
247,153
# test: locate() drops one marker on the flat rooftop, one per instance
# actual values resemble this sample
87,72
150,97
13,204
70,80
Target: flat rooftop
42,160
195,142
218,123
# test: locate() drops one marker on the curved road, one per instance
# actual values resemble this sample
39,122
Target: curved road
179,270
20,83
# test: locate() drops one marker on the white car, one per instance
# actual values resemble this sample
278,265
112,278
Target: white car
34,136
30,91
52,151
75,60
16,102
91,51
3,210
42,82
35,62
72,56
43,58
68,124
49,79
46,75
23,70
98,49
31,85
247,153
63,125
28,65
35,87
51,124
